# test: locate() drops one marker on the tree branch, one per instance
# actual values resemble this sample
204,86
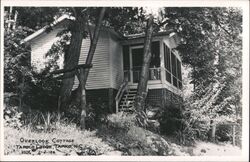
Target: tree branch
74,11
85,66
90,34
217,22
95,39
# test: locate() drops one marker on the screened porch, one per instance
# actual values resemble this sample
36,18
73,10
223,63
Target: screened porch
165,66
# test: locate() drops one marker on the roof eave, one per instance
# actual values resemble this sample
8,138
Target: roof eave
44,29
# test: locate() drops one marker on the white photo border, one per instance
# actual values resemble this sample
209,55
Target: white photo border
244,4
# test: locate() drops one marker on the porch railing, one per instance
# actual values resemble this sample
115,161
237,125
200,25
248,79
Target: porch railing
174,80
154,74
122,89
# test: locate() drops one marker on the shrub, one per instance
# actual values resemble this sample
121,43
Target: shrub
183,124
41,92
121,120
84,142
95,112
125,135
224,133
171,120
12,118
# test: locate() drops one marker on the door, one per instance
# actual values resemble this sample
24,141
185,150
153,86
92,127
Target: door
136,63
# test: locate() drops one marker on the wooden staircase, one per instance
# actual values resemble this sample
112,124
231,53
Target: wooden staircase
125,97
127,100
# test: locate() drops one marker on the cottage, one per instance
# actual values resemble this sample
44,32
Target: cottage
116,66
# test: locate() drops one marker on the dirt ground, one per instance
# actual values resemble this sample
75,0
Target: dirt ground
212,149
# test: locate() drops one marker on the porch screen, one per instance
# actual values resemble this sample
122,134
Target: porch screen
179,74
172,68
155,50
167,63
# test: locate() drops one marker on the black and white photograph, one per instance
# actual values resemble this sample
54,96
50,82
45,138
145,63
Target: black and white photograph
135,81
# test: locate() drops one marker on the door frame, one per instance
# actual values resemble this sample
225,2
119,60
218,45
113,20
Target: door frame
131,62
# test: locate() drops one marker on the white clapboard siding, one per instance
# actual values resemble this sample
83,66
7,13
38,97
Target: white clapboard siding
99,76
116,63
41,45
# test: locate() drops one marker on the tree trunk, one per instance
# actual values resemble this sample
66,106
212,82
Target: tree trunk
71,60
84,72
141,116
82,96
142,86
233,132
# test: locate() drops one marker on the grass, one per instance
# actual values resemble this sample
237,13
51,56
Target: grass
117,136
76,142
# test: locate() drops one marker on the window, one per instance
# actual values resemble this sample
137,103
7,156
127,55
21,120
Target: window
172,68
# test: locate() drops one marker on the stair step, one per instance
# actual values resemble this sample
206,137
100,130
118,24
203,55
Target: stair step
128,99
124,104
132,91
130,105
129,94
126,109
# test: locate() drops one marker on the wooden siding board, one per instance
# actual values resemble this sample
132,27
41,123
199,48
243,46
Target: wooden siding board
41,45
99,76
116,63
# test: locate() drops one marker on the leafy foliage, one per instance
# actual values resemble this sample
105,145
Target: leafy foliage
36,17
16,59
86,143
34,90
42,93
121,120
126,20
171,120
121,130
12,117
211,44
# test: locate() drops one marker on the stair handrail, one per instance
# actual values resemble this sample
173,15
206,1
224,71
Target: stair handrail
122,89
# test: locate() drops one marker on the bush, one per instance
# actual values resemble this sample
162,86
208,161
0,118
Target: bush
183,124
84,142
171,120
124,134
41,92
121,120
95,112
12,118
224,133
45,121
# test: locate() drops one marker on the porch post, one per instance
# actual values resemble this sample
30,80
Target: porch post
162,63
130,65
